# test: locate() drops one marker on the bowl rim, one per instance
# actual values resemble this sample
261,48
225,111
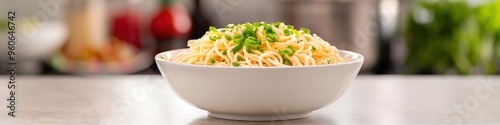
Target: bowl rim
359,59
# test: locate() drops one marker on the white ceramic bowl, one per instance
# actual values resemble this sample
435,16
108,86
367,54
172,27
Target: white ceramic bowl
34,47
258,93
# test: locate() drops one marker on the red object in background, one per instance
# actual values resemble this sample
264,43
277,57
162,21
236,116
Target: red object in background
126,27
173,21
171,27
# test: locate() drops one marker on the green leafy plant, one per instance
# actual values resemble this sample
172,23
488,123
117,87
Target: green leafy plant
453,34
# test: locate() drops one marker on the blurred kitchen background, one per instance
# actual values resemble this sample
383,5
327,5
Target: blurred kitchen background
122,36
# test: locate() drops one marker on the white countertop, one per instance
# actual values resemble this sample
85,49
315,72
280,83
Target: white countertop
147,100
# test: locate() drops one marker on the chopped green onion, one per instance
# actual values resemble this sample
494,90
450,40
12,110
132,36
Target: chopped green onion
250,38
263,23
214,36
249,50
235,64
269,29
256,24
212,60
228,38
212,29
329,61
294,31
237,47
238,38
271,37
289,53
247,37
286,61
252,42
291,50
307,31
282,53
313,48
287,32
248,25
257,42
252,46
239,58
277,24
249,32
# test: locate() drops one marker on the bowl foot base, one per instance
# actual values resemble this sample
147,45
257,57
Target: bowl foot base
276,117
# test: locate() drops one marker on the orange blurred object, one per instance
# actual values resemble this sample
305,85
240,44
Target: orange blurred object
114,50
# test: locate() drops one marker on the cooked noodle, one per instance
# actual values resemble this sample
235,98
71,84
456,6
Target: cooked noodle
276,44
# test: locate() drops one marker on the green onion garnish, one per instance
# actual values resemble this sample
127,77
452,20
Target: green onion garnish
252,42
277,24
291,50
214,36
282,53
287,32
286,61
247,36
239,58
212,29
256,24
307,31
237,47
271,37
329,61
247,24
294,31
252,46
269,29
313,48
238,38
263,23
249,50
249,32
212,60
228,38
235,64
